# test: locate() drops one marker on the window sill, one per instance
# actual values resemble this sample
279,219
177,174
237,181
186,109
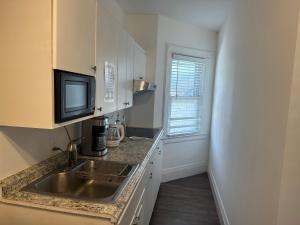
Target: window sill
181,138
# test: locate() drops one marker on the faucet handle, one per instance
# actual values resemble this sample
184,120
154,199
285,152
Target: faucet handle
57,149
77,139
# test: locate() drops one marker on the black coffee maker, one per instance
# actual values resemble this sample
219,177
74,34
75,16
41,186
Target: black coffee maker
94,136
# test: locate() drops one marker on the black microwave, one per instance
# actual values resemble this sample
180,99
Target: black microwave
74,95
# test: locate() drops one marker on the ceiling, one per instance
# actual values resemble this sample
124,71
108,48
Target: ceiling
205,13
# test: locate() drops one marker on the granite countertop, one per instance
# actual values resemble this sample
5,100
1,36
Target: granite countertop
130,151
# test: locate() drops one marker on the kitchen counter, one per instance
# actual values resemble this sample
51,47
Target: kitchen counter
130,151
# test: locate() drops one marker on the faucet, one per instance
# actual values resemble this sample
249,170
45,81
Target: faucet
72,152
71,149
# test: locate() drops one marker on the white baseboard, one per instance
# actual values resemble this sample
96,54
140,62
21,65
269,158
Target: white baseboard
218,200
183,171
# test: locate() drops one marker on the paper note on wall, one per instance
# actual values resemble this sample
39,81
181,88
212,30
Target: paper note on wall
109,82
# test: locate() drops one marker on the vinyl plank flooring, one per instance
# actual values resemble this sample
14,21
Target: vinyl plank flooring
187,201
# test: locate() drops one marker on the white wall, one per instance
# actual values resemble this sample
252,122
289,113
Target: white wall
21,148
252,90
184,158
289,203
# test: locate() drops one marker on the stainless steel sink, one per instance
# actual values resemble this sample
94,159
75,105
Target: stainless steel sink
92,180
106,168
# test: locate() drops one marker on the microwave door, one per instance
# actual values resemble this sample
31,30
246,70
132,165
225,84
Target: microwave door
74,96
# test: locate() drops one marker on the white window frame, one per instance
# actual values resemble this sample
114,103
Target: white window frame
208,84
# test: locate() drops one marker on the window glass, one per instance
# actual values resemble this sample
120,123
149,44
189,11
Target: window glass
185,97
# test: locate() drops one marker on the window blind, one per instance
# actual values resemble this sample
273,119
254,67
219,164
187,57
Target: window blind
185,103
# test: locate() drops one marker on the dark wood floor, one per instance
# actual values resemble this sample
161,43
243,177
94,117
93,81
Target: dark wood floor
187,201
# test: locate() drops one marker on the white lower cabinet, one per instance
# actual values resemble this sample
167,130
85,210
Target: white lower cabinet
140,208
152,187
139,215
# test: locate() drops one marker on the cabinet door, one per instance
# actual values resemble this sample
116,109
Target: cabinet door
139,63
74,26
129,74
106,53
153,184
140,213
122,67
157,167
148,197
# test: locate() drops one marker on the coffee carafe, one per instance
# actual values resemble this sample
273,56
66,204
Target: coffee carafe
115,134
94,136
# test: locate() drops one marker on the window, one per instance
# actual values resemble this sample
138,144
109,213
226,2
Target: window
186,95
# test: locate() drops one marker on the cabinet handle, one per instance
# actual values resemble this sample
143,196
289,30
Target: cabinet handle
159,153
137,220
151,176
151,162
100,109
94,68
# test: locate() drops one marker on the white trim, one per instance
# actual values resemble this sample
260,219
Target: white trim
178,172
218,200
171,48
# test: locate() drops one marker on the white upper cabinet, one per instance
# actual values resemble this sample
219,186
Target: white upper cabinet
38,36
130,69
122,67
106,61
74,26
125,69
139,63
116,48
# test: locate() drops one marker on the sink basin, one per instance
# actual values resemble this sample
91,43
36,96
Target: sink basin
106,167
92,180
62,182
